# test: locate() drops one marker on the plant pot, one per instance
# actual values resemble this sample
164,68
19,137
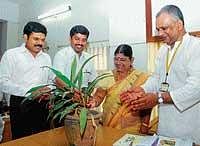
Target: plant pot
72,130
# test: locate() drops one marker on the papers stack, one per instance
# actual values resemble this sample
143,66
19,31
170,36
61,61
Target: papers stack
167,141
137,140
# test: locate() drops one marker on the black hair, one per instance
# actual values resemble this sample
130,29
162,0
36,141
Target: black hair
34,27
79,29
173,10
125,49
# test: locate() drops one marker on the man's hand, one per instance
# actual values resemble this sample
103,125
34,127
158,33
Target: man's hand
42,93
147,101
131,95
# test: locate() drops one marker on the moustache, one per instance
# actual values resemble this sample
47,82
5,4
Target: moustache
38,45
79,45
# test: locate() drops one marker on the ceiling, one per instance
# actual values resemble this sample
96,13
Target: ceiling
16,1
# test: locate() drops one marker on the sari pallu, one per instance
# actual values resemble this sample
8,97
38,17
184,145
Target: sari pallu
117,115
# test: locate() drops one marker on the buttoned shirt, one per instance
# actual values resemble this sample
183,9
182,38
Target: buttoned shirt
63,60
182,118
20,71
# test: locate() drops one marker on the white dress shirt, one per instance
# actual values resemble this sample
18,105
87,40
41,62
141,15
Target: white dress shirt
181,119
63,60
20,71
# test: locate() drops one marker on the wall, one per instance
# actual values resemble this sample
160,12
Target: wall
1,50
127,25
12,35
3,37
188,8
106,19
9,12
88,12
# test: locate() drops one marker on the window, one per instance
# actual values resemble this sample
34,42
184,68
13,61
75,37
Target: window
101,48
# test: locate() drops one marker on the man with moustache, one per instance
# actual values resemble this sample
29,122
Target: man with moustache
175,84
63,59
20,70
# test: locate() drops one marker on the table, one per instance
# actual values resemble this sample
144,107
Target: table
56,137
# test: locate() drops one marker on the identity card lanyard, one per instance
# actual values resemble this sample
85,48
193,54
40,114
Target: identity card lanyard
165,85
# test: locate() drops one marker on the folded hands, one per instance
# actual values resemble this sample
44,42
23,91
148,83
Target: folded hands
136,99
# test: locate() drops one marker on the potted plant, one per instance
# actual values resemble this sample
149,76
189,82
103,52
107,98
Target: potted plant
75,111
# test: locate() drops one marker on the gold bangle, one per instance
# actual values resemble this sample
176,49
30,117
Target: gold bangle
145,125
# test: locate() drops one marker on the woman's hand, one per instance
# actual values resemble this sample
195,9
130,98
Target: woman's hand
147,101
131,95
91,103
77,95
97,98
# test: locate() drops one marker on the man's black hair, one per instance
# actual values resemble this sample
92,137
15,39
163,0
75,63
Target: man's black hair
34,27
79,29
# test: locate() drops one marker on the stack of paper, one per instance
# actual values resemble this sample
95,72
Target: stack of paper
136,140
167,141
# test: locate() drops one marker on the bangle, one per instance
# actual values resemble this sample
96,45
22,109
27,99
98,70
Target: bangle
145,125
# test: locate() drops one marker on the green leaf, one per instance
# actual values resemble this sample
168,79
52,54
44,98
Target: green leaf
33,95
80,79
81,69
60,104
58,92
92,85
29,97
73,69
62,113
68,110
83,120
35,88
62,77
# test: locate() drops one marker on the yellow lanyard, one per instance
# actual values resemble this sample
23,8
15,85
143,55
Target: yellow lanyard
168,65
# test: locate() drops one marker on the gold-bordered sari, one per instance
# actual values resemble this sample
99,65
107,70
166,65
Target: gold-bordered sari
115,114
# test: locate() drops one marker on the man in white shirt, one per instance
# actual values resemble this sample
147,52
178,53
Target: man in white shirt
63,59
20,70
175,85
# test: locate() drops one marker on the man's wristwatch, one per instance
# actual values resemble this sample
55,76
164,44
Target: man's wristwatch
160,98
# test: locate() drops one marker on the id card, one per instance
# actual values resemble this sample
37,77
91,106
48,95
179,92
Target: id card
164,87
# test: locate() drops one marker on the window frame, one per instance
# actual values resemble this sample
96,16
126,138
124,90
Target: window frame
149,35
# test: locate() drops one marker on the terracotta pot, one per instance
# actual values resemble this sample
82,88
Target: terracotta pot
72,130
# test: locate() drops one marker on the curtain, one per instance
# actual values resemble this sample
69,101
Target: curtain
153,48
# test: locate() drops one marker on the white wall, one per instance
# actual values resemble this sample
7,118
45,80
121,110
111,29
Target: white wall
121,21
12,35
189,9
9,12
88,12
127,25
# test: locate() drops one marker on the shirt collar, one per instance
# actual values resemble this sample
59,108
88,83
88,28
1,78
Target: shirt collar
82,53
185,36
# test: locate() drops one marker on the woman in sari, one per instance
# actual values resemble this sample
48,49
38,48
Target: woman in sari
109,89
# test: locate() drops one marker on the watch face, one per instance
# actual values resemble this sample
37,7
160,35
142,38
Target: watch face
160,100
